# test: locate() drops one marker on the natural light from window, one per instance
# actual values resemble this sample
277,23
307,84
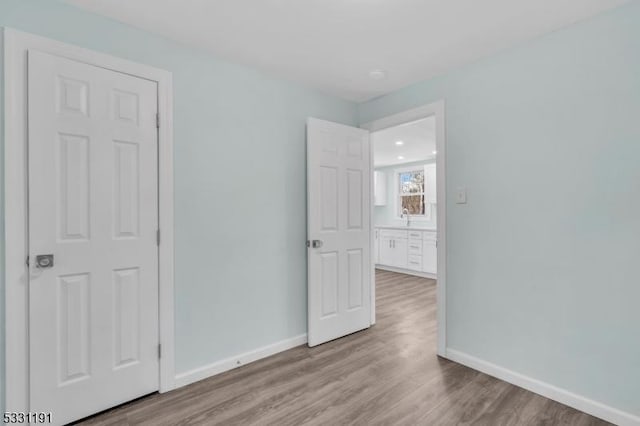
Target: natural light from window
411,192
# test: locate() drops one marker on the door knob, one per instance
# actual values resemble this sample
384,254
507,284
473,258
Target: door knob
316,243
44,261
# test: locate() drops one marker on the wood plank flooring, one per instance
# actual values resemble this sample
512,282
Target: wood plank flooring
387,375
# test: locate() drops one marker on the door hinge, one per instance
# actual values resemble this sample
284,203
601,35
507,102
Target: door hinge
27,261
157,120
158,237
159,350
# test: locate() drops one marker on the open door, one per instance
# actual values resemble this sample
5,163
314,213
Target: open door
338,230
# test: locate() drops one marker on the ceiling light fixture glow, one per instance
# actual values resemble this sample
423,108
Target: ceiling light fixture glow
400,157
377,74
399,143
434,152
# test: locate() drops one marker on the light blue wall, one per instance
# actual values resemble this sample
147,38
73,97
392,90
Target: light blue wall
387,215
542,269
240,183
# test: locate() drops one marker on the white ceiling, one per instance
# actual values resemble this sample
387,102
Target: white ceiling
334,44
418,143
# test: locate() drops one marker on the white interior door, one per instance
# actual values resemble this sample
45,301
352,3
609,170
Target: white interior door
93,206
339,256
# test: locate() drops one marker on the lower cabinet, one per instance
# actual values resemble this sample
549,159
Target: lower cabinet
429,256
414,262
392,251
385,255
399,252
414,250
393,248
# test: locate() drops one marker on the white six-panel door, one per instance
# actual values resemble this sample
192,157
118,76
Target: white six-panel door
93,205
339,256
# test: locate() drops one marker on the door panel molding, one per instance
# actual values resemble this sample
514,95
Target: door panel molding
338,194
16,46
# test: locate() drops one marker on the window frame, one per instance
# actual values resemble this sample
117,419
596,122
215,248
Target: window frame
398,195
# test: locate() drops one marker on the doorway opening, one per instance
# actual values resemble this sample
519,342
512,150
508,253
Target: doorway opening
408,211
405,198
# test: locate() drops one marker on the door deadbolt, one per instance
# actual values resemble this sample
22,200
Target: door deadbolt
314,243
44,261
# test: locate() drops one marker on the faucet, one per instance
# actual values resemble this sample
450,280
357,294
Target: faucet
405,213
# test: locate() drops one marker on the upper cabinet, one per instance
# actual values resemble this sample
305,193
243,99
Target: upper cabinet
430,184
379,188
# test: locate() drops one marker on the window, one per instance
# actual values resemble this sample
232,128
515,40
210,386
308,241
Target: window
411,192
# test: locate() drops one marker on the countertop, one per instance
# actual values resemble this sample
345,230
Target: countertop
406,228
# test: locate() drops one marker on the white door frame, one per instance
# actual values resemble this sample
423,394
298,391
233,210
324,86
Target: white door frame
436,109
16,45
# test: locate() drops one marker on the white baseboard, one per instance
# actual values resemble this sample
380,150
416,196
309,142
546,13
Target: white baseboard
239,360
407,271
547,390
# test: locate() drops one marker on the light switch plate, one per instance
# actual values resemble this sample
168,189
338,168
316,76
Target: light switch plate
461,195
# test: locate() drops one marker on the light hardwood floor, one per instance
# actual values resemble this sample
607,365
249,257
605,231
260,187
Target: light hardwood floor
386,375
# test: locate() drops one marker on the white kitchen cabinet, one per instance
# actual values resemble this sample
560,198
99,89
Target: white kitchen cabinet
400,253
414,263
430,187
393,248
379,188
386,253
429,253
412,250
415,247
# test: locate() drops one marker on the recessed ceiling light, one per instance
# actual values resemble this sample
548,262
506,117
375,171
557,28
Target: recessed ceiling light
399,143
434,152
400,157
377,74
